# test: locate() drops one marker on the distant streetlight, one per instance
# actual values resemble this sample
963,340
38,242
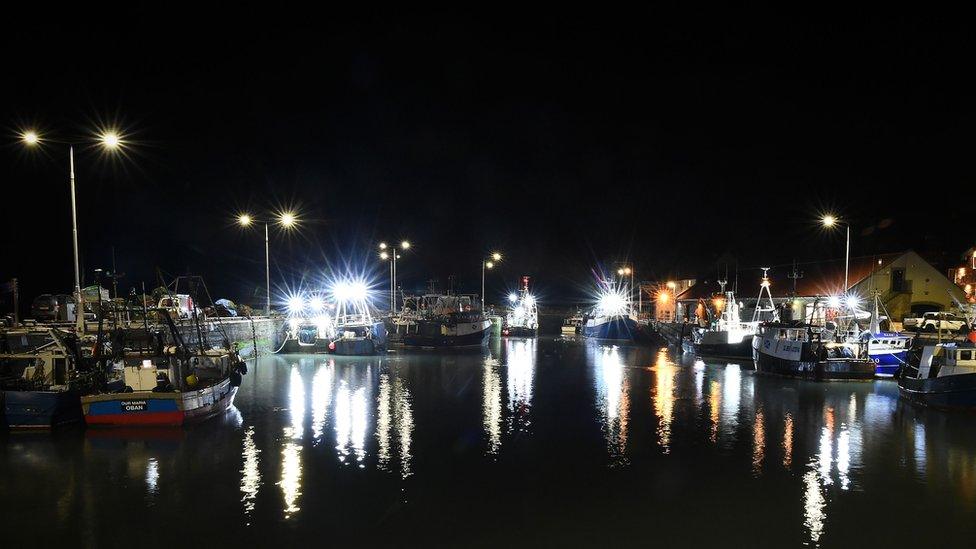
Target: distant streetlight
389,253
110,141
829,222
487,263
286,220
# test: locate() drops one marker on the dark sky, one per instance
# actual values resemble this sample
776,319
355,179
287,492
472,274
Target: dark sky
567,141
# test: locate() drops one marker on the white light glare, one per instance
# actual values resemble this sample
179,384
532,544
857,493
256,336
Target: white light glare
833,301
296,304
513,297
612,303
316,304
350,291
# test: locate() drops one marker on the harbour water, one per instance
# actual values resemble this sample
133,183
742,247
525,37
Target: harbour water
551,441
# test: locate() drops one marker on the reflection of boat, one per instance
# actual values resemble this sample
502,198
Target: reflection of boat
204,383
945,377
523,318
808,351
448,321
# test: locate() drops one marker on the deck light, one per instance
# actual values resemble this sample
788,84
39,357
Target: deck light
513,297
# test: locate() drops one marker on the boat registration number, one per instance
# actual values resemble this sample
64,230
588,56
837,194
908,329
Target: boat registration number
134,406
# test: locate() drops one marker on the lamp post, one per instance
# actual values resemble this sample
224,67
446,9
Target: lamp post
628,272
487,263
388,252
110,141
829,221
286,220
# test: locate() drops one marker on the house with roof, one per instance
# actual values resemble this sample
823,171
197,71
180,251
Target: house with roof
906,284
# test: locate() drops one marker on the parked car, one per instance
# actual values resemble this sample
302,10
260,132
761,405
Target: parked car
935,321
53,308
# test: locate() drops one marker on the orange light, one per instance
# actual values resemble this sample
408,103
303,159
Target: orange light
662,297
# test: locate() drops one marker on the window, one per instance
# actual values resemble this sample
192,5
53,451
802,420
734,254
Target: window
965,355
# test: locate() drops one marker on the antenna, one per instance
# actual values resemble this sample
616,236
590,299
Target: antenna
795,275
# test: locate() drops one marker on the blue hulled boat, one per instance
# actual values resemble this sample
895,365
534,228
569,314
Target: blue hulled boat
613,316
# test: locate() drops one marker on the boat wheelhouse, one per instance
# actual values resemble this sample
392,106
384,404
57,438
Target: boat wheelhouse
808,351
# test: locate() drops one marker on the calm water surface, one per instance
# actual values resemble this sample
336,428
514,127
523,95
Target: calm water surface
549,441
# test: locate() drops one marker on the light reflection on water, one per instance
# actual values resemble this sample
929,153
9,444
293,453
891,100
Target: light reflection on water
613,399
337,433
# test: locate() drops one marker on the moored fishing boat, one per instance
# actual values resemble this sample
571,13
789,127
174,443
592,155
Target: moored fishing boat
356,332
808,351
944,377
448,321
522,319
172,386
42,377
612,317
728,336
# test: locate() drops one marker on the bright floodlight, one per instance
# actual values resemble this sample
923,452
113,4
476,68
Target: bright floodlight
489,264
384,255
513,297
829,221
110,140
833,301
620,272
530,300
612,303
244,220
405,245
382,245
496,256
296,304
30,138
852,302
287,219
350,291
627,270
316,304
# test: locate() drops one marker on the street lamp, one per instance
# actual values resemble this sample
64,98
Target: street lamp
487,263
110,141
389,253
829,222
286,220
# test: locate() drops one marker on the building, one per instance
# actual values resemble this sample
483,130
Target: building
905,282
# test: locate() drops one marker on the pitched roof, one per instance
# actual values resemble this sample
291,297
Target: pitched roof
815,278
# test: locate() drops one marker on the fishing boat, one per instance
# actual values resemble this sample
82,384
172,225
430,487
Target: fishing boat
522,319
310,327
944,378
613,316
799,349
42,377
172,386
728,336
448,321
572,325
888,350
356,332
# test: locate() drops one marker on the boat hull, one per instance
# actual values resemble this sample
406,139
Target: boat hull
163,409
742,349
954,392
473,339
621,327
520,331
819,370
887,364
30,410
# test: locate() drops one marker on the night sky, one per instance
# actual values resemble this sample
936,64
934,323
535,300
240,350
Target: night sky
566,141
